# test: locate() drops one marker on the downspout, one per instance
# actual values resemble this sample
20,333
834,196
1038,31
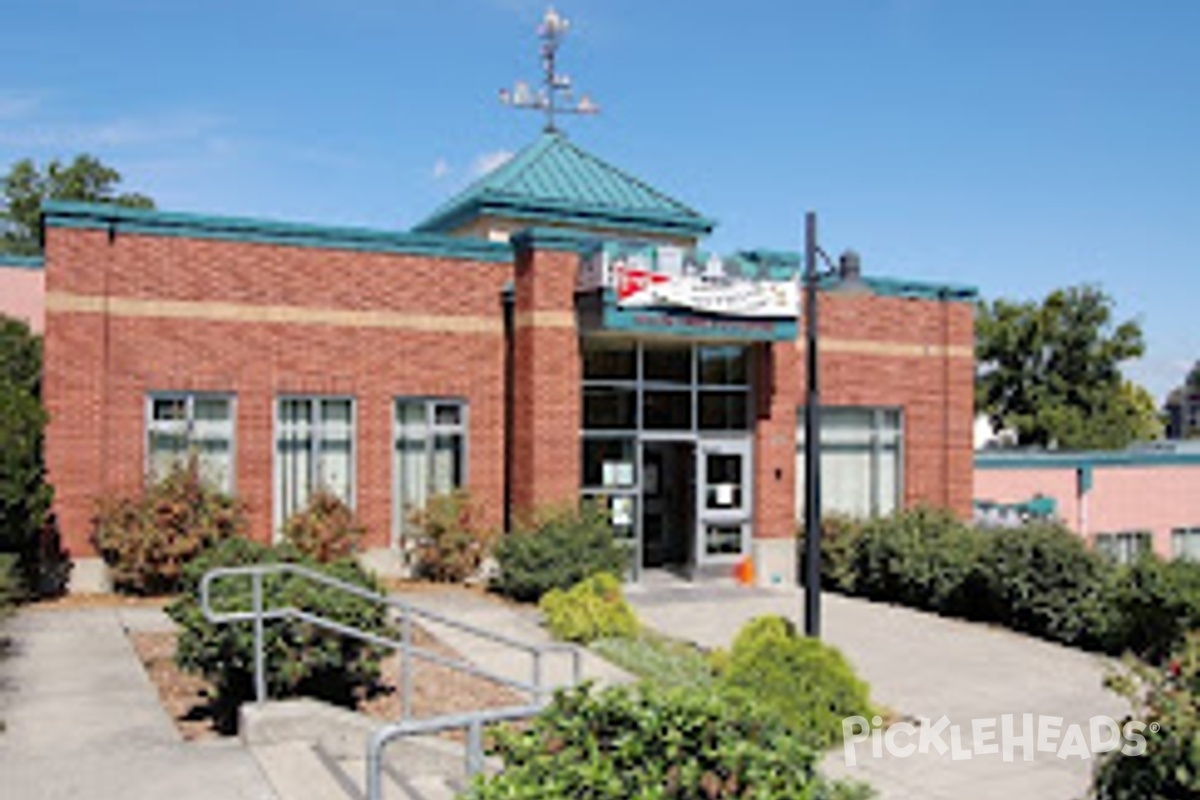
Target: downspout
943,297
508,296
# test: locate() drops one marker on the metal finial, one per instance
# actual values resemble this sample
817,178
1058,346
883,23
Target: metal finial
556,96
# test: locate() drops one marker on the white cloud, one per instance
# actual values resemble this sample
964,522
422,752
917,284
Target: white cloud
120,132
486,162
17,105
441,168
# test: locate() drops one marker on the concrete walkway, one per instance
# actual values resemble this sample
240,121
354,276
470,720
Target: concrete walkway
83,720
521,623
920,665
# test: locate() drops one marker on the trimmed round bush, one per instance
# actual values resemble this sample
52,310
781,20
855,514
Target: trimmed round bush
557,550
593,609
301,658
804,683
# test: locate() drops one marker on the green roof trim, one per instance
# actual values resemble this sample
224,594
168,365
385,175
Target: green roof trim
260,231
22,262
879,285
1086,462
553,180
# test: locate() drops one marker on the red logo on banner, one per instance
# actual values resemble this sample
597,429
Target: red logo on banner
635,281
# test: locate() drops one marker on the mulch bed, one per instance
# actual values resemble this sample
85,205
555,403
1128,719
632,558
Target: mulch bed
187,698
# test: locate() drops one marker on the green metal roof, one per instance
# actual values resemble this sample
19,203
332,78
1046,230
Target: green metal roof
554,181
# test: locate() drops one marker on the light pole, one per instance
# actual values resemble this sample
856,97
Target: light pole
849,274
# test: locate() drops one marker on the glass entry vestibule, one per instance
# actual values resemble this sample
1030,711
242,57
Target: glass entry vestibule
668,448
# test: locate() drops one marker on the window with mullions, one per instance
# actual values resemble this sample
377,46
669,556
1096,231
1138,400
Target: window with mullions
1185,544
314,449
429,455
181,426
861,461
659,386
1124,547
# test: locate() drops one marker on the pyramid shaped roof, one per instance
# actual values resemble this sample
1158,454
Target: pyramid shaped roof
553,181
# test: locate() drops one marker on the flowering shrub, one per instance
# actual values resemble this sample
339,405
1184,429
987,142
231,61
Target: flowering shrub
149,538
1167,700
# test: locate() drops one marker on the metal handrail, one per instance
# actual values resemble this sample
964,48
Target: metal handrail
473,721
260,615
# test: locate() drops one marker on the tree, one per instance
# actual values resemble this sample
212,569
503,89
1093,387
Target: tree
1050,371
24,494
1181,404
26,187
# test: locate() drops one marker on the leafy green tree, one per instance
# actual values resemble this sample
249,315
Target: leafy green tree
1051,371
25,187
24,495
1176,410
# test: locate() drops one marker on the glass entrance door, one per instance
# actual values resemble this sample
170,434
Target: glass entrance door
724,501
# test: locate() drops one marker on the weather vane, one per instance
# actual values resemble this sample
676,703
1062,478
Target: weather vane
556,96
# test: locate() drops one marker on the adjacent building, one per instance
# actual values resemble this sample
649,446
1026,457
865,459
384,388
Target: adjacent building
550,333
1124,503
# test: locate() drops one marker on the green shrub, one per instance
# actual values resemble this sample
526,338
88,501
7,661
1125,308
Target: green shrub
558,550
804,683
1042,579
453,543
325,529
10,589
659,660
922,558
149,538
646,743
1157,602
301,659
592,609
24,494
1169,697
841,539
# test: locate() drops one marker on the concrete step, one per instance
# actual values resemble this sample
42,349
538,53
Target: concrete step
397,785
309,750
296,773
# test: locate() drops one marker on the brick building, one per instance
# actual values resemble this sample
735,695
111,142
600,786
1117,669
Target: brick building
547,334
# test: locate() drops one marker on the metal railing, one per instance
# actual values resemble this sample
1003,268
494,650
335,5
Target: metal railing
259,615
473,721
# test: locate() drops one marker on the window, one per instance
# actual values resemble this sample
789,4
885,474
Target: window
1124,547
429,455
1185,544
314,449
188,425
862,467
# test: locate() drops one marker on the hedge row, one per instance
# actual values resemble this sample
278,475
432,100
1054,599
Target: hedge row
1040,579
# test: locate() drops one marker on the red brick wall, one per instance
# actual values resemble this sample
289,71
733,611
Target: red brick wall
546,393
877,351
779,372
923,366
99,369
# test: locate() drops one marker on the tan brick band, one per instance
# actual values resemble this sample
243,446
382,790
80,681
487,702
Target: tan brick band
866,347
545,319
66,302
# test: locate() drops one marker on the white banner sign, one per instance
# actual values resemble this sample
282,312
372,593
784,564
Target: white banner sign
641,288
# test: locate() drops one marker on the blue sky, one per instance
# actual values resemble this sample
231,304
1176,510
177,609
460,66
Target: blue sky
1017,145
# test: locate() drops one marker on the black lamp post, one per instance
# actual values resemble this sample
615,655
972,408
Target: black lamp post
848,272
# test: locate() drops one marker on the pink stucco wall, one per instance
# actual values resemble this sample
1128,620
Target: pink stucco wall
1156,498
23,294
